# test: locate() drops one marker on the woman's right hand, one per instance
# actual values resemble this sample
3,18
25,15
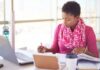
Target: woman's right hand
42,49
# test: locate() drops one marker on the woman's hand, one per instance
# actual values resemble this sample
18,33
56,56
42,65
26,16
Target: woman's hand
42,49
79,50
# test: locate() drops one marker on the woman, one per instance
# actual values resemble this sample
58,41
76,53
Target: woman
73,36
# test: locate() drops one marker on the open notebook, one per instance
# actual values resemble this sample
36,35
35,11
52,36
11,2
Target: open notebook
85,57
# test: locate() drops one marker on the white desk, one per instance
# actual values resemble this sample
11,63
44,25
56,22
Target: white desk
11,66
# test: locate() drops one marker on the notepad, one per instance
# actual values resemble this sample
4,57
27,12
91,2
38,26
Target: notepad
46,61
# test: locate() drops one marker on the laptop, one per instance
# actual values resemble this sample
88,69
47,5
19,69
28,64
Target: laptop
46,62
9,54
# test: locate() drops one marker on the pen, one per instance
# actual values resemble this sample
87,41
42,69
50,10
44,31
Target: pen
43,48
41,44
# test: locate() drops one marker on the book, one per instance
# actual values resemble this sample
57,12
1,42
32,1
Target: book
84,57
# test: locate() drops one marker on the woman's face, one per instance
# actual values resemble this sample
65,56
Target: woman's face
69,19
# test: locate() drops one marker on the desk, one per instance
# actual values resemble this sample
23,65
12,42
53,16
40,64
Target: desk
10,66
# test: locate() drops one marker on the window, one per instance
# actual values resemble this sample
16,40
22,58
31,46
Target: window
1,10
31,35
32,9
1,16
34,23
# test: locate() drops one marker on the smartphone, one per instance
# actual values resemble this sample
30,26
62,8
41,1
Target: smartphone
1,65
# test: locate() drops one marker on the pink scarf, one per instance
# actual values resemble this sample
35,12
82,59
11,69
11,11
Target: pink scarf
73,39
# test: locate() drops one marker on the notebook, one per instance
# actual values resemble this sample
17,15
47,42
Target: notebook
45,62
87,58
9,54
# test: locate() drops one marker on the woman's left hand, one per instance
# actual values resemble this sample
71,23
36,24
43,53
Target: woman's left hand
79,50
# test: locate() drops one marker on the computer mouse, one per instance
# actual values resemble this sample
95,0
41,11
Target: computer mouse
1,65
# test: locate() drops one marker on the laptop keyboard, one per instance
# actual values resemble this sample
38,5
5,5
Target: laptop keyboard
23,56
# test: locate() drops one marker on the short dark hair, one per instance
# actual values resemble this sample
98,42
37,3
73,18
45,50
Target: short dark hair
71,7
